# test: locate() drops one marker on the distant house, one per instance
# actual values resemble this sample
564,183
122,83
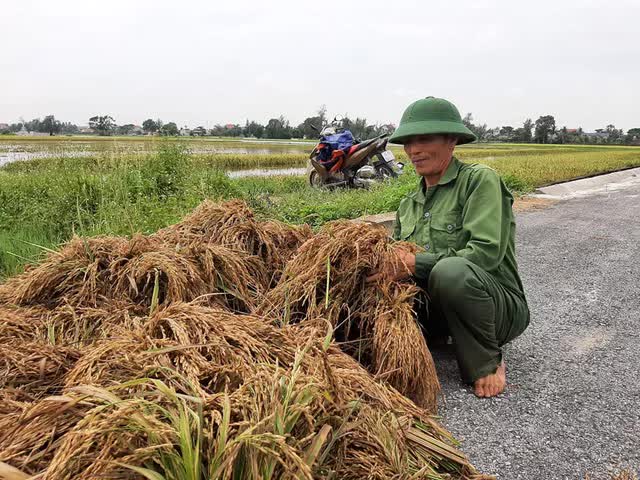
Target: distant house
185,131
24,133
85,130
596,135
136,130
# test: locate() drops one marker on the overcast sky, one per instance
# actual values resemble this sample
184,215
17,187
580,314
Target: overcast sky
202,62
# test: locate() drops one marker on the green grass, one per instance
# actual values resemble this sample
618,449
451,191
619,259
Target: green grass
45,201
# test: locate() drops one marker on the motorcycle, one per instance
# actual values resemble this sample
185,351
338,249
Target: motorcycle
338,160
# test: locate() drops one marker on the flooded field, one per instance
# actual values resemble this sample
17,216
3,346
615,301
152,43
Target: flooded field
266,172
242,158
29,148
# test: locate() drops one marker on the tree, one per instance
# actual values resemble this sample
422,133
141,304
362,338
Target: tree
68,128
633,136
322,114
232,130
307,129
125,129
562,135
506,133
492,134
50,125
253,129
311,126
480,131
545,127
150,126
359,127
33,125
278,128
614,135
527,129
103,124
217,130
169,129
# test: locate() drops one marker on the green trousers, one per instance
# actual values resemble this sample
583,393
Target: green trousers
479,313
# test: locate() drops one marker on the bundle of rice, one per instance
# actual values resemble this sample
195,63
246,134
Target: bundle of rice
374,322
35,367
77,273
80,326
197,389
108,373
18,323
233,224
211,348
226,277
144,271
31,433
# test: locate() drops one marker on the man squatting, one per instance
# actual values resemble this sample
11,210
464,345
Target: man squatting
462,216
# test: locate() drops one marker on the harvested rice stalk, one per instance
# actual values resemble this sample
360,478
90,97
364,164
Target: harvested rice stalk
112,361
233,224
35,367
109,434
375,323
14,400
223,337
221,223
77,273
400,353
93,272
227,277
298,407
19,323
66,324
69,325
326,277
152,382
29,437
234,279
211,348
7,472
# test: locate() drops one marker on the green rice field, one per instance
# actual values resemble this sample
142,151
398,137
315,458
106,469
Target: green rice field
54,187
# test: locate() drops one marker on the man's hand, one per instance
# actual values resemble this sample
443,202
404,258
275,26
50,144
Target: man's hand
399,265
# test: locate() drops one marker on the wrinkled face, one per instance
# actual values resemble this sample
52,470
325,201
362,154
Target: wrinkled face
430,154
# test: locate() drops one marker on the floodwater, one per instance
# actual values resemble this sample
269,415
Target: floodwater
8,157
25,149
266,172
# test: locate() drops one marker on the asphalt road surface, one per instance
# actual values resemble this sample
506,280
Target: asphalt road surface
572,405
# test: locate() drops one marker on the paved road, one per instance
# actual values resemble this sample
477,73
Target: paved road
573,401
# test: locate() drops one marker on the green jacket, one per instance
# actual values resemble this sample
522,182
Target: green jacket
467,214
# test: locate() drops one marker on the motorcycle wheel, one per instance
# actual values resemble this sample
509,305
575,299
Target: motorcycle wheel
385,172
315,180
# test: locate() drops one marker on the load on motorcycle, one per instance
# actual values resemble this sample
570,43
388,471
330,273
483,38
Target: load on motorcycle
340,160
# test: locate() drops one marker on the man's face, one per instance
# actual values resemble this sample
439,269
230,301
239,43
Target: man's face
430,154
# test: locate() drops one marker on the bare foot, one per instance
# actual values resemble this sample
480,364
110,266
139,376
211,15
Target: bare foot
492,384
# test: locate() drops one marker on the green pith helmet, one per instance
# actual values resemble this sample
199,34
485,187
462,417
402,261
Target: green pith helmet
431,116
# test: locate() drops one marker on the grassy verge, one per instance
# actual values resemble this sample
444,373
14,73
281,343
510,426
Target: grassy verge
44,202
